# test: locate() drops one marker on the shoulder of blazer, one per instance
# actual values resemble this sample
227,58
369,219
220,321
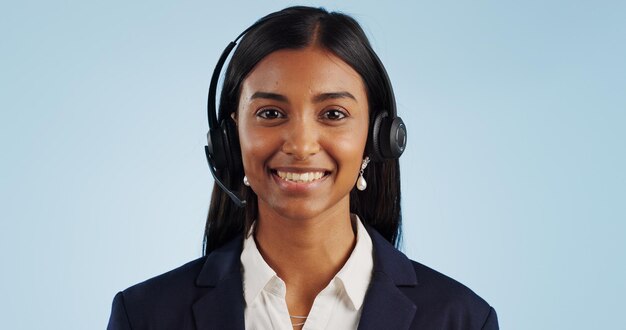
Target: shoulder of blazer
167,299
162,300
439,301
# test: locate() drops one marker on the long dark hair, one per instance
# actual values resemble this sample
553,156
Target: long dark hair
296,28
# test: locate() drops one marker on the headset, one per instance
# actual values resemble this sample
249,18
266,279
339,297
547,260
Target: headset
223,153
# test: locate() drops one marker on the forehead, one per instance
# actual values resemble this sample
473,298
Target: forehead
312,70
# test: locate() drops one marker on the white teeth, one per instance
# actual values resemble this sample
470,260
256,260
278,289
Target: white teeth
300,177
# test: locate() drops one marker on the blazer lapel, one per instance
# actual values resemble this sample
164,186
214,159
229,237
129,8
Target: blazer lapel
385,306
222,307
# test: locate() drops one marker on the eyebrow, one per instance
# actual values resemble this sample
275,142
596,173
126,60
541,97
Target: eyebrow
330,96
317,98
266,95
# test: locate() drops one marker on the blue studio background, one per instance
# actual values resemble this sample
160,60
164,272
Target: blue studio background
513,180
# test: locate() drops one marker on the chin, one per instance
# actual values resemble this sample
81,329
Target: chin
305,208
297,212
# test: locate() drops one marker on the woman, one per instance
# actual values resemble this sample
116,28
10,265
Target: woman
308,141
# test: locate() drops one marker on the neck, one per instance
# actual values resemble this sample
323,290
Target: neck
305,252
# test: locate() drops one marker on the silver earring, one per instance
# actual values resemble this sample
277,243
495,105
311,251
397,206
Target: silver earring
245,181
361,184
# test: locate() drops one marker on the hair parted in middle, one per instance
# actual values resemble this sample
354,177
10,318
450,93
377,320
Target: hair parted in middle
297,28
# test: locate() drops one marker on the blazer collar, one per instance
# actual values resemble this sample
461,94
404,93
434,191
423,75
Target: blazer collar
389,260
222,307
385,306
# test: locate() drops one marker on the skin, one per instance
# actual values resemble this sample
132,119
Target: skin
300,111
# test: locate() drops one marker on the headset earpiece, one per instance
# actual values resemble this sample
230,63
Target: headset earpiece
388,137
223,155
215,149
223,147
232,150
396,138
375,136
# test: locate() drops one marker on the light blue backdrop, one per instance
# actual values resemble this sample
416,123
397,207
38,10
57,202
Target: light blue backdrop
513,180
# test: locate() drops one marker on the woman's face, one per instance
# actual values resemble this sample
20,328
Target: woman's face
303,123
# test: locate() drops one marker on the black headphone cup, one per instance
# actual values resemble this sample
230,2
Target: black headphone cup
388,137
377,154
385,138
214,149
397,137
232,149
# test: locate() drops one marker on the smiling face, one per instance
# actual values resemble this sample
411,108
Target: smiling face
302,121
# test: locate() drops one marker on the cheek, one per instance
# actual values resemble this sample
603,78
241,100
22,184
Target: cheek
348,149
255,147
353,144
357,137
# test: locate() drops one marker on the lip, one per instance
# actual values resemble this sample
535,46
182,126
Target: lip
298,187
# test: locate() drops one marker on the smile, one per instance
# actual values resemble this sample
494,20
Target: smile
305,177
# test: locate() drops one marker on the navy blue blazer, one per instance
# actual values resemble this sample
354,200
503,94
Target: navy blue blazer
207,293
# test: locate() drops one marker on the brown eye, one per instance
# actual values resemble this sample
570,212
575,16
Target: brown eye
334,114
270,114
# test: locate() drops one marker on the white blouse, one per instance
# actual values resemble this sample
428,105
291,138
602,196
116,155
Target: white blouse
338,306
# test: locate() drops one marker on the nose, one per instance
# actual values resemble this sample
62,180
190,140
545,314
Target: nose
301,139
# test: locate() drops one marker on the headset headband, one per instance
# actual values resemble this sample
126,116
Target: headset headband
211,100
